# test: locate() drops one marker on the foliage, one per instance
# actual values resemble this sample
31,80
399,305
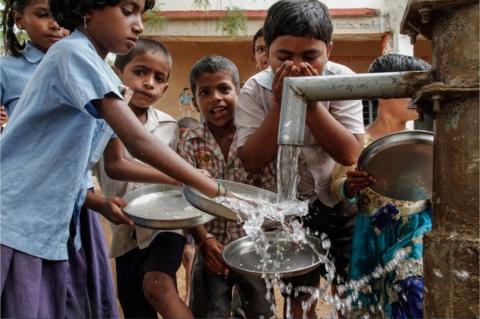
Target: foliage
234,22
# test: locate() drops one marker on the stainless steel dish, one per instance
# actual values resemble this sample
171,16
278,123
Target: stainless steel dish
295,259
209,205
401,164
163,207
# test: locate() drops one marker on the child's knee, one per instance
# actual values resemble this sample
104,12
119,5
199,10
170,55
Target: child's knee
158,287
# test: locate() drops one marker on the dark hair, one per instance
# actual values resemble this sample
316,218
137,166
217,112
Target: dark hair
10,42
397,63
301,18
187,123
70,13
213,64
257,35
143,46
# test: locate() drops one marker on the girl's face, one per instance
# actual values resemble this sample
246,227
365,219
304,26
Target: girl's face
115,28
216,97
146,74
398,109
38,23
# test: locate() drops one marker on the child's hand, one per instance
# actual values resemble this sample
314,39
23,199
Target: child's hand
356,181
3,116
305,69
287,69
112,210
212,256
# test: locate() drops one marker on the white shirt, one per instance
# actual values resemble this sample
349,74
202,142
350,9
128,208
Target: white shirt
315,165
165,128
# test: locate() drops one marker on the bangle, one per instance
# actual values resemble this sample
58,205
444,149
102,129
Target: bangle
204,240
221,190
343,191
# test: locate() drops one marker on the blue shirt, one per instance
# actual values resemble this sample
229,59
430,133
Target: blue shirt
51,141
15,73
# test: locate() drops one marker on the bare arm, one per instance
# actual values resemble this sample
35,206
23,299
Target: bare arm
147,148
343,146
119,167
110,208
261,147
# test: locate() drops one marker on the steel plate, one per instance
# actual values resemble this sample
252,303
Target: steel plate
163,207
209,206
401,164
296,259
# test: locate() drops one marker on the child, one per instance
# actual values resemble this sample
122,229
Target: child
55,122
185,103
298,37
215,83
146,260
32,16
400,292
259,52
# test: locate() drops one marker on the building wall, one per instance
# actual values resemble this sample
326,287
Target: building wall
355,54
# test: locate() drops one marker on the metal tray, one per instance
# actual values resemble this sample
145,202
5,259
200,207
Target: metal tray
297,259
162,207
209,206
401,164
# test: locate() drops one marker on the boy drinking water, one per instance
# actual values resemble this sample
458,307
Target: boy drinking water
215,84
298,37
146,260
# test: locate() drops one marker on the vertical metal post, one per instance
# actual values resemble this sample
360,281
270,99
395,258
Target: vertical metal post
452,248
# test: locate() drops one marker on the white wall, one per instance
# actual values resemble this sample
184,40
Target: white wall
264,4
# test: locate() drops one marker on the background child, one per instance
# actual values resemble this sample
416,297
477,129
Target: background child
146,260
298,37
211,146
32,16
185,103
400,292
57,128
259,51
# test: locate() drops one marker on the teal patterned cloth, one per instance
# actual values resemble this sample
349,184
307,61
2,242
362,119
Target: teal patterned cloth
371,247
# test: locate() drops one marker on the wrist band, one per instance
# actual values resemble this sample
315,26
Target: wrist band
221,190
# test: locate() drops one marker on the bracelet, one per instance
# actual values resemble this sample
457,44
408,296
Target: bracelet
221,190
204,240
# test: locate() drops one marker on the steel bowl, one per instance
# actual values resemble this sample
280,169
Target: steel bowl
163,207
209,205
295,259
401,164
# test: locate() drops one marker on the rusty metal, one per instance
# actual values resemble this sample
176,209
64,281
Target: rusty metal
451,255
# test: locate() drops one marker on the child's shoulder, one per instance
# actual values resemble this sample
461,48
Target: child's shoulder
161,116
332,68
194,133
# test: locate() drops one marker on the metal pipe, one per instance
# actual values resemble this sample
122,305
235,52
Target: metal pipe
298,91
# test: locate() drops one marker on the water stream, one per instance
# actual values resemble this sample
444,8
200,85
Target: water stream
254,215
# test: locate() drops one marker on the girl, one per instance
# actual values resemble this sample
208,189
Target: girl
400,292
56,122
32,16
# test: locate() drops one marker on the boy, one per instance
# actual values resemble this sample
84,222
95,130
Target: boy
259,53
146,260
298,37
215,84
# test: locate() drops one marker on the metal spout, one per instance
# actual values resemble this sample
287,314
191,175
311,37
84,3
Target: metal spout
299,91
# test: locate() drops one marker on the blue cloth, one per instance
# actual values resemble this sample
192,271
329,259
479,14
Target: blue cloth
410,303
371,248
15,73
50,143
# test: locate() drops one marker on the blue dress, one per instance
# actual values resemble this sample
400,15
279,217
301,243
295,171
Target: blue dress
383,228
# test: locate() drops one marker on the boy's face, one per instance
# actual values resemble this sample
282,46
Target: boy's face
146,74
298,50
216,97
261,62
